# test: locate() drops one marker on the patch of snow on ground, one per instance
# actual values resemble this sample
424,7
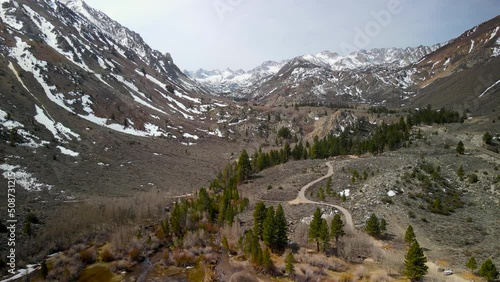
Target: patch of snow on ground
187,135
60,132
489,88
346,192
8,19
9,124
29,63
23,178
22,272
68,152
471,46
391,193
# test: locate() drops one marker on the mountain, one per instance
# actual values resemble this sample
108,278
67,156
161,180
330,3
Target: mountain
463,73
254,84
80,93
369,76
228,82
389,76
67,50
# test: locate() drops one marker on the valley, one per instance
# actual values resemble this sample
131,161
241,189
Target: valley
128,169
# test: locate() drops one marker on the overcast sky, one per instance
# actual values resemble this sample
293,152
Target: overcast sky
213,34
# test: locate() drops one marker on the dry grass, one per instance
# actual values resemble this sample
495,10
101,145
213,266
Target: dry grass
380,277
346,277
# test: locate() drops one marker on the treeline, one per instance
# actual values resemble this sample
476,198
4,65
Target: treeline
384,137
429,116
380,110
331,105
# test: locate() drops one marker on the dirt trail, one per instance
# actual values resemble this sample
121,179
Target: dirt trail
302,199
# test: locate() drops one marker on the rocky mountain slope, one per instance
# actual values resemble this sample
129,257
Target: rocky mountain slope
80,93
463,73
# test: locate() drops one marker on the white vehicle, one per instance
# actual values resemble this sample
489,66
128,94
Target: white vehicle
448,272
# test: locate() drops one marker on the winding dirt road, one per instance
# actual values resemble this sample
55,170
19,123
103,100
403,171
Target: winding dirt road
302,199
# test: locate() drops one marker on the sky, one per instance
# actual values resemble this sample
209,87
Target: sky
217,34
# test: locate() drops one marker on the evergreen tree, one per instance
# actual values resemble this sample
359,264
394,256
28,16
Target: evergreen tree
410,235
289,267
337,228
244,167
460,148
471,264
373,226
269,228
415,260
328,186
267,262
383,225
324,235
281,229
488,270
461,173
487,138
259,215
315,228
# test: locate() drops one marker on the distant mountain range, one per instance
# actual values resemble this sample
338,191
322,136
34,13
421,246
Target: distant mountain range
230,82
392,76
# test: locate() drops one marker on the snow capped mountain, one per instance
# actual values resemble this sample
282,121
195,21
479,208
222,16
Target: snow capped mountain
234,83
66,54
228,81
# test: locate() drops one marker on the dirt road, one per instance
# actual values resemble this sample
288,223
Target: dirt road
302,199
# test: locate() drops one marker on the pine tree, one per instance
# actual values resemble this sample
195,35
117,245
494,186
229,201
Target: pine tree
409,235
415,261
337,228
267,262
460,148
269,228
259,215
471,264
487,138
488,270
324,235
461,173
290,268
373,226
244,167
383,225
328,186
315,228
281,229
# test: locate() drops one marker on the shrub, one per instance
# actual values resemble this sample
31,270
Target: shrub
88,256
411,214
473,178
107,254
134,254
31,217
